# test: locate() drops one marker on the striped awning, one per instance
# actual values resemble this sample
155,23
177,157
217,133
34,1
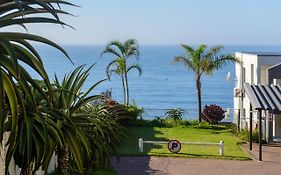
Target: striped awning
264,97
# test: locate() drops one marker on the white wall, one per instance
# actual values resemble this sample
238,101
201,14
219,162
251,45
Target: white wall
13,169
247,60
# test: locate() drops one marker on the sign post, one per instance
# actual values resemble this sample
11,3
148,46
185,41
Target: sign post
141,145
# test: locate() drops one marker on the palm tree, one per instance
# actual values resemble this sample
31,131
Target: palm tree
203,61
15,81
119,66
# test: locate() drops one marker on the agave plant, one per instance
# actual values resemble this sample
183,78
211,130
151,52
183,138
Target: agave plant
105,144
42,116
16,83
87,133
37,134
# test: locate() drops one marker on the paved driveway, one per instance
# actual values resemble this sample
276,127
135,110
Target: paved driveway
184,166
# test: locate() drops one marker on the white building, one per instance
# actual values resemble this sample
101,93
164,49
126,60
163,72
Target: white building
256,68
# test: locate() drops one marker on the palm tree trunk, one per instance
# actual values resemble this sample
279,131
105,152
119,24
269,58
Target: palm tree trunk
127,89
28,171
63,158
124,89
198,86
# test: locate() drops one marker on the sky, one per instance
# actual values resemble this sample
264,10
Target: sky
248,22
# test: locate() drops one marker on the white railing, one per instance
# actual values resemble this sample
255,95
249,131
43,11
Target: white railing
221,144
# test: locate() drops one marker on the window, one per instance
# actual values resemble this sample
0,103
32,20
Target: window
252,73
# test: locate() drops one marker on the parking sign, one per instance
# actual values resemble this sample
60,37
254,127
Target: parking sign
174,146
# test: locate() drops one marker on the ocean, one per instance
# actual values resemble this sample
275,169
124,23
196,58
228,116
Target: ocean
162,85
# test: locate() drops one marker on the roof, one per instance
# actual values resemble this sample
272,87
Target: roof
275,66
263,53
264,97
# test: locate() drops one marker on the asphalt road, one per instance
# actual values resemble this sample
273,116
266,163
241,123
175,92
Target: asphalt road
271,165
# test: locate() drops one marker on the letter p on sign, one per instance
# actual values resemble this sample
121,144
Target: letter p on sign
174,146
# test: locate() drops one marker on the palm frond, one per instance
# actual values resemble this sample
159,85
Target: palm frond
110,50
214,51
201,49
132,48
187,62
221,60
112,46
110,70
188,49
135,66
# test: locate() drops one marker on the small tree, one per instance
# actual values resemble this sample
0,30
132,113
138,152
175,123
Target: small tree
213,114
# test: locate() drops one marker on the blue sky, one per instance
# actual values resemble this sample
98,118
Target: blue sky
170,22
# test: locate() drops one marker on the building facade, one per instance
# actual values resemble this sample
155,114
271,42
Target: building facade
256,68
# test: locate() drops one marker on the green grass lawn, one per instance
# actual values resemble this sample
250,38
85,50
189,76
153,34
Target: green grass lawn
189,134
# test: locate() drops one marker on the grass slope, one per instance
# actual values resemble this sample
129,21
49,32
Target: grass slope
214,134
108,171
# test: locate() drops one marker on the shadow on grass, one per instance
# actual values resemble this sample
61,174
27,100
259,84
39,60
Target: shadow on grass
215,129
130,144
129,163
137,163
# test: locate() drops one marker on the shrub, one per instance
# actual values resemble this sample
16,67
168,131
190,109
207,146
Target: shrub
158,121
244,135
185,123
233,129
255,136
112,108
202,125
121,113
194,122
138,122
110,102
134,116
213,114
134,112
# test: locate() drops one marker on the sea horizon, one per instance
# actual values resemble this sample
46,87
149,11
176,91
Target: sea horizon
162,85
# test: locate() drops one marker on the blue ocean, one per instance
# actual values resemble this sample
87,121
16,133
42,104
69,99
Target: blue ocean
162,85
